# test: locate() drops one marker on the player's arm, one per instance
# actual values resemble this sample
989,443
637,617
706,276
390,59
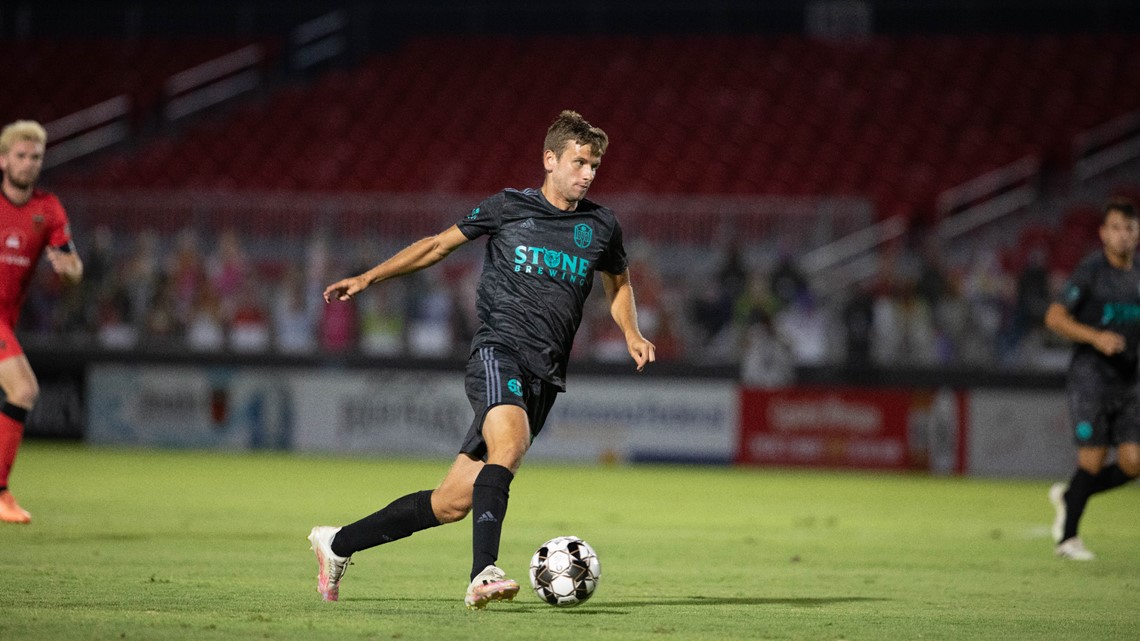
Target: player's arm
1061,322
419,255
623,309
66,262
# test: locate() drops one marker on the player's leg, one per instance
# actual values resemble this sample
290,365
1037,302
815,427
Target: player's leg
1070,508
506,431
401,518
20,393
507,434
1126,436
1128,460
335,546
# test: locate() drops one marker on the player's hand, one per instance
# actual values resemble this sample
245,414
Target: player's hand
345,289
642,351
1108,343
66,264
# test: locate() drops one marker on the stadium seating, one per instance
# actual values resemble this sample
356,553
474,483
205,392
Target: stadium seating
897,119
52,78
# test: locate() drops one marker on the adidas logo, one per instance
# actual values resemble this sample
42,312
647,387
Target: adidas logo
528,223
487,517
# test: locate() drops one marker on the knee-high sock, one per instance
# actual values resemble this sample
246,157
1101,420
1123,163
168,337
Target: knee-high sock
12,419
488,509
400,518
1076,497
1110,477
1082,486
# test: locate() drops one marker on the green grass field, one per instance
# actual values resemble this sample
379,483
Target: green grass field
175,545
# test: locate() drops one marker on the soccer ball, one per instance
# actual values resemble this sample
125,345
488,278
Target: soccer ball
565,571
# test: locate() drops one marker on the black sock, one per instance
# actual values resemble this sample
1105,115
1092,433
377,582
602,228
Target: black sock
14,412
403,517
488,509
1109,478
1076,497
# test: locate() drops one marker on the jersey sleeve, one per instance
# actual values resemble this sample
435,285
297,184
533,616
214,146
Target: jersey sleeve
614,260
484,219
1076,290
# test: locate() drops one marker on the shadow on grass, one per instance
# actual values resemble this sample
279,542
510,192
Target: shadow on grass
620,607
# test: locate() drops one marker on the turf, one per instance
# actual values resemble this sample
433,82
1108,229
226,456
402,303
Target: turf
176,545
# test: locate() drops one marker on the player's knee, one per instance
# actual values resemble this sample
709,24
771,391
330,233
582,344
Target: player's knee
450,507
1130,465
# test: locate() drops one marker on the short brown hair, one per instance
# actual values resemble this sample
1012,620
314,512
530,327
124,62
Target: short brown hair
21,130
1125,206
571,126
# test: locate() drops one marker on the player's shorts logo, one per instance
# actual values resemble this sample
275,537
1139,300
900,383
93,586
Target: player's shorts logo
1084,430
583,235
515,386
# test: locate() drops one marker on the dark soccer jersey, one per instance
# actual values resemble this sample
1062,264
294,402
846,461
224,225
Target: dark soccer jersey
537,272
24,232
1099,295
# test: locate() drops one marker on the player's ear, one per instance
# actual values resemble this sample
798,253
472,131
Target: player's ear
549,160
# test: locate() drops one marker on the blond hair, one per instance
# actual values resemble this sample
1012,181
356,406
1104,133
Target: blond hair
22,130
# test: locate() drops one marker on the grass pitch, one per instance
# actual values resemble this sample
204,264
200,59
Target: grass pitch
176,545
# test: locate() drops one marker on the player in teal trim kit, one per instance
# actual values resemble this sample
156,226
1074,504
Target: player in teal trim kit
543,248
1099,310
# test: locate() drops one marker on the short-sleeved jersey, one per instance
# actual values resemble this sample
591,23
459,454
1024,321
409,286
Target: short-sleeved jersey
538,270
1102,296
24,232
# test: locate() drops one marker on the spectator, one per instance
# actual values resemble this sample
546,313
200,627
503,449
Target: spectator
295,314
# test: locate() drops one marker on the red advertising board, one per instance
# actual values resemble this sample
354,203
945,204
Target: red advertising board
852,428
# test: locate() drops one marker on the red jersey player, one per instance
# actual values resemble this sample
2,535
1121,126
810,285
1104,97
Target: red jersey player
32,223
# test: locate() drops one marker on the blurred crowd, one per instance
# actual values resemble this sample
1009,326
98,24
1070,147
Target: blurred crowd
224,293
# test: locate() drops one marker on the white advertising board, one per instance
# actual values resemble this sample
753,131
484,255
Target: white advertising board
194,407
380,412
401,412
1020,434
642,419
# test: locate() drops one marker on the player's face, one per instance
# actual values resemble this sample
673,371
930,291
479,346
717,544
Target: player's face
1120,234
572,172
22,163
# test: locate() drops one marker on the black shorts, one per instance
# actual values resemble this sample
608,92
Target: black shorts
1103,415
494,378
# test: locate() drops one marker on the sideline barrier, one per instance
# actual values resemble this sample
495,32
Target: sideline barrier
391,411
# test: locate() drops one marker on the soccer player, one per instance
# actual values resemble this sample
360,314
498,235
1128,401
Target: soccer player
1099,310
544,246
32,223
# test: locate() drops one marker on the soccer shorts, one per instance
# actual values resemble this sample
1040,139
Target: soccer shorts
493,379
1103,416
9,346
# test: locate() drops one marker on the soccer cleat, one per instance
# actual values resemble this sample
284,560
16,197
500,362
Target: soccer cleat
1074,549
330,567
1057,498
10,510
490,585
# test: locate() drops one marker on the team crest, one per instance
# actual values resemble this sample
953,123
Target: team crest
583,235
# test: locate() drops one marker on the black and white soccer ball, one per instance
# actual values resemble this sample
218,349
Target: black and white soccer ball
565,571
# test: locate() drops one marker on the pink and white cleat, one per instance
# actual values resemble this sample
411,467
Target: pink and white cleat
489,585
330,567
